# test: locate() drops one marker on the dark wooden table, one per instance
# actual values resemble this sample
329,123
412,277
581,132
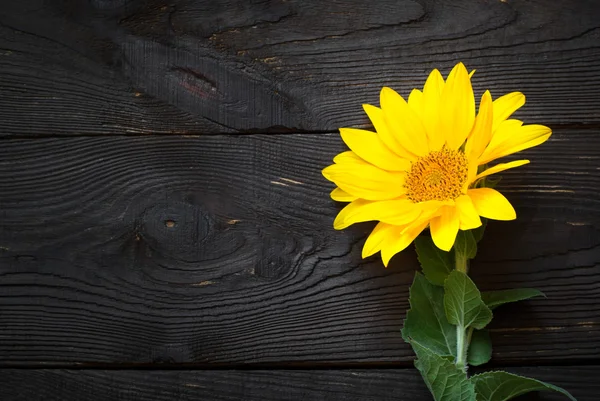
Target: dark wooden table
165,233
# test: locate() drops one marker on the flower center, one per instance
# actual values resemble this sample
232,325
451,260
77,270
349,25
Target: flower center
440,175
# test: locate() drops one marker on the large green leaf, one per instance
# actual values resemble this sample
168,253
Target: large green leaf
436,264
493,299
426,321
445,381
502,386
480,349
463,304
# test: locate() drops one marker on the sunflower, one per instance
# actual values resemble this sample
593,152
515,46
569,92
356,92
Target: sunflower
425,166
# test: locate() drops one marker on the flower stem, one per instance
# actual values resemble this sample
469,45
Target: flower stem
461,264
463,335
461,348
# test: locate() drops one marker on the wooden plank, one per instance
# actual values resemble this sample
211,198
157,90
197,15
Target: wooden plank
219,249
60,77
155,385
98,67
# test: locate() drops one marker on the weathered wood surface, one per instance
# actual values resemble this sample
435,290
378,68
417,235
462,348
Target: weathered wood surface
137,67
263,385
134,237
219,249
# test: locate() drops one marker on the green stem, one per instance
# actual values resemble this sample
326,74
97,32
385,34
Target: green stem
461,351
463,335
469,335
461,264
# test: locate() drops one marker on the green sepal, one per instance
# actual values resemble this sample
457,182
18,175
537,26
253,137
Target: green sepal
436,264
445,381
465,246
492,182
503,386
493,299
463,304
478,232
426,321
480,349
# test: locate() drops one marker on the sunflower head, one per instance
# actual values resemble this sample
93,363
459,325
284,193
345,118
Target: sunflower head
440,175
425,164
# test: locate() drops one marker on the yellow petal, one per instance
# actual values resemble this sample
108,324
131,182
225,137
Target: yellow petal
347,157
377,238
397,243
366,181
467,214
403,122
444,228
471,174
482,130
501,167
385,134
431,209
434,85
369,147
457,108
525,145
491,204
479,137
506,130
432,92
340,195
415,100
515,140
505,106
397,212
340,220
472,73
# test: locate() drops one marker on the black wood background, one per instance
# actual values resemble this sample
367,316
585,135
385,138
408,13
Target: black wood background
165,233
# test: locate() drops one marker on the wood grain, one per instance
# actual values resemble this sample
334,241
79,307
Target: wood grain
219,249
347,385
182,66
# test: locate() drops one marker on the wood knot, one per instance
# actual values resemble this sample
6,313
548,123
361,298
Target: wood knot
175,228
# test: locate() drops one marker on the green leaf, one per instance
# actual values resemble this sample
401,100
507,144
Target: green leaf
465,246
463,304
426,321
478,232
436,263
502,386
480,349
445,381
484,318
493,299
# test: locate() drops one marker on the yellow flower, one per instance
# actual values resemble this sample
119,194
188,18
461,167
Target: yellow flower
423,167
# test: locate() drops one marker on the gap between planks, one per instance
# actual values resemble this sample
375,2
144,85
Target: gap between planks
404,365
247,133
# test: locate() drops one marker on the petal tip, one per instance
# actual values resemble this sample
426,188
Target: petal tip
368,107
326,173
460,68
386,259
444,246
338,225
366,252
